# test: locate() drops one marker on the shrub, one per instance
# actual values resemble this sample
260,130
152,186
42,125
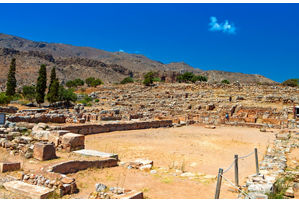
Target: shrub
127,80
156,79
67,95
97,100
96,83
4,99
86,100
225,81
148,79
92,82
79,82
291,82
190,77
70,84
74,83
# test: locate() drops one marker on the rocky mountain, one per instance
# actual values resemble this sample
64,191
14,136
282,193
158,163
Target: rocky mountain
82,62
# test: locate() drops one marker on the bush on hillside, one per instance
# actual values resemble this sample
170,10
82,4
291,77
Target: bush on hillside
190,77
127,80
225,81
4,99
291,82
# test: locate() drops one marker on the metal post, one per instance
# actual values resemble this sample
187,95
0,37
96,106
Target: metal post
218,186
236,171
256,162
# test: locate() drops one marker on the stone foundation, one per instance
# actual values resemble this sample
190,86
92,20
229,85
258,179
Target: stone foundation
109,127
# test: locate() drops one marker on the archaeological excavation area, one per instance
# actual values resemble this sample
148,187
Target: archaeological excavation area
169,141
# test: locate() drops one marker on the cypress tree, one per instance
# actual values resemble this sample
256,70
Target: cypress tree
52,78
41,84
11,79
53,95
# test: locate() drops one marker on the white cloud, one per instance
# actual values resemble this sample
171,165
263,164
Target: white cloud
121,50
225,27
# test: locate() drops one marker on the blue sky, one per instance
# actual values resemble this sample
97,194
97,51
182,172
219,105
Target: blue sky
248,38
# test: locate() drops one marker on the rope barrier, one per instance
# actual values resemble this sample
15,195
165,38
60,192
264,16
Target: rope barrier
229,167
243,157
232,184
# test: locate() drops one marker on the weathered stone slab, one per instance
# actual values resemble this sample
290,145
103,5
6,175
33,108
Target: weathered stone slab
75,166
7,167
43,151
86,152
28,190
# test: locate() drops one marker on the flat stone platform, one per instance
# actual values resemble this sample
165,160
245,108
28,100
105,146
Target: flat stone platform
86,152
28,190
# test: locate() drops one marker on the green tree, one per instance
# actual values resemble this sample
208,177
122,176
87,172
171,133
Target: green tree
52,77
148,78
127,80
67,95
78,82
225,81
29,92
92,82
89,81
70,84
75,83
11,83
291,82
4,99
53,95
96,83
41,84
190,77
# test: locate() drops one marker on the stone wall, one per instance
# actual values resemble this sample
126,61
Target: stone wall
87,129
39,118
10,110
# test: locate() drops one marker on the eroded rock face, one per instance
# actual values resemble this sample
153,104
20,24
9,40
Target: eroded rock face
44,151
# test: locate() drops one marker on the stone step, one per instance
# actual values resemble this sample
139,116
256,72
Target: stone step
28,190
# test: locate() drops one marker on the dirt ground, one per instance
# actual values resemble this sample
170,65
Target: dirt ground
194,149
190,149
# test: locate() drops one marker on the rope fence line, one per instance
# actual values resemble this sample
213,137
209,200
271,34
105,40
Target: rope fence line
229,167
232,184
244,157
221,173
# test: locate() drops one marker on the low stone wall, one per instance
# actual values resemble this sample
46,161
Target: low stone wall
272,167
38,118
75,166
10,110
102,128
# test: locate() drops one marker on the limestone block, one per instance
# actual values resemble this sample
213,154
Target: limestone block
43,151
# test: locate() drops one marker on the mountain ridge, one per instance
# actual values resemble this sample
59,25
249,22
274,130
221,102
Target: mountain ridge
111,66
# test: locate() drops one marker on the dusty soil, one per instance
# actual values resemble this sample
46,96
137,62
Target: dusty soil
193,149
